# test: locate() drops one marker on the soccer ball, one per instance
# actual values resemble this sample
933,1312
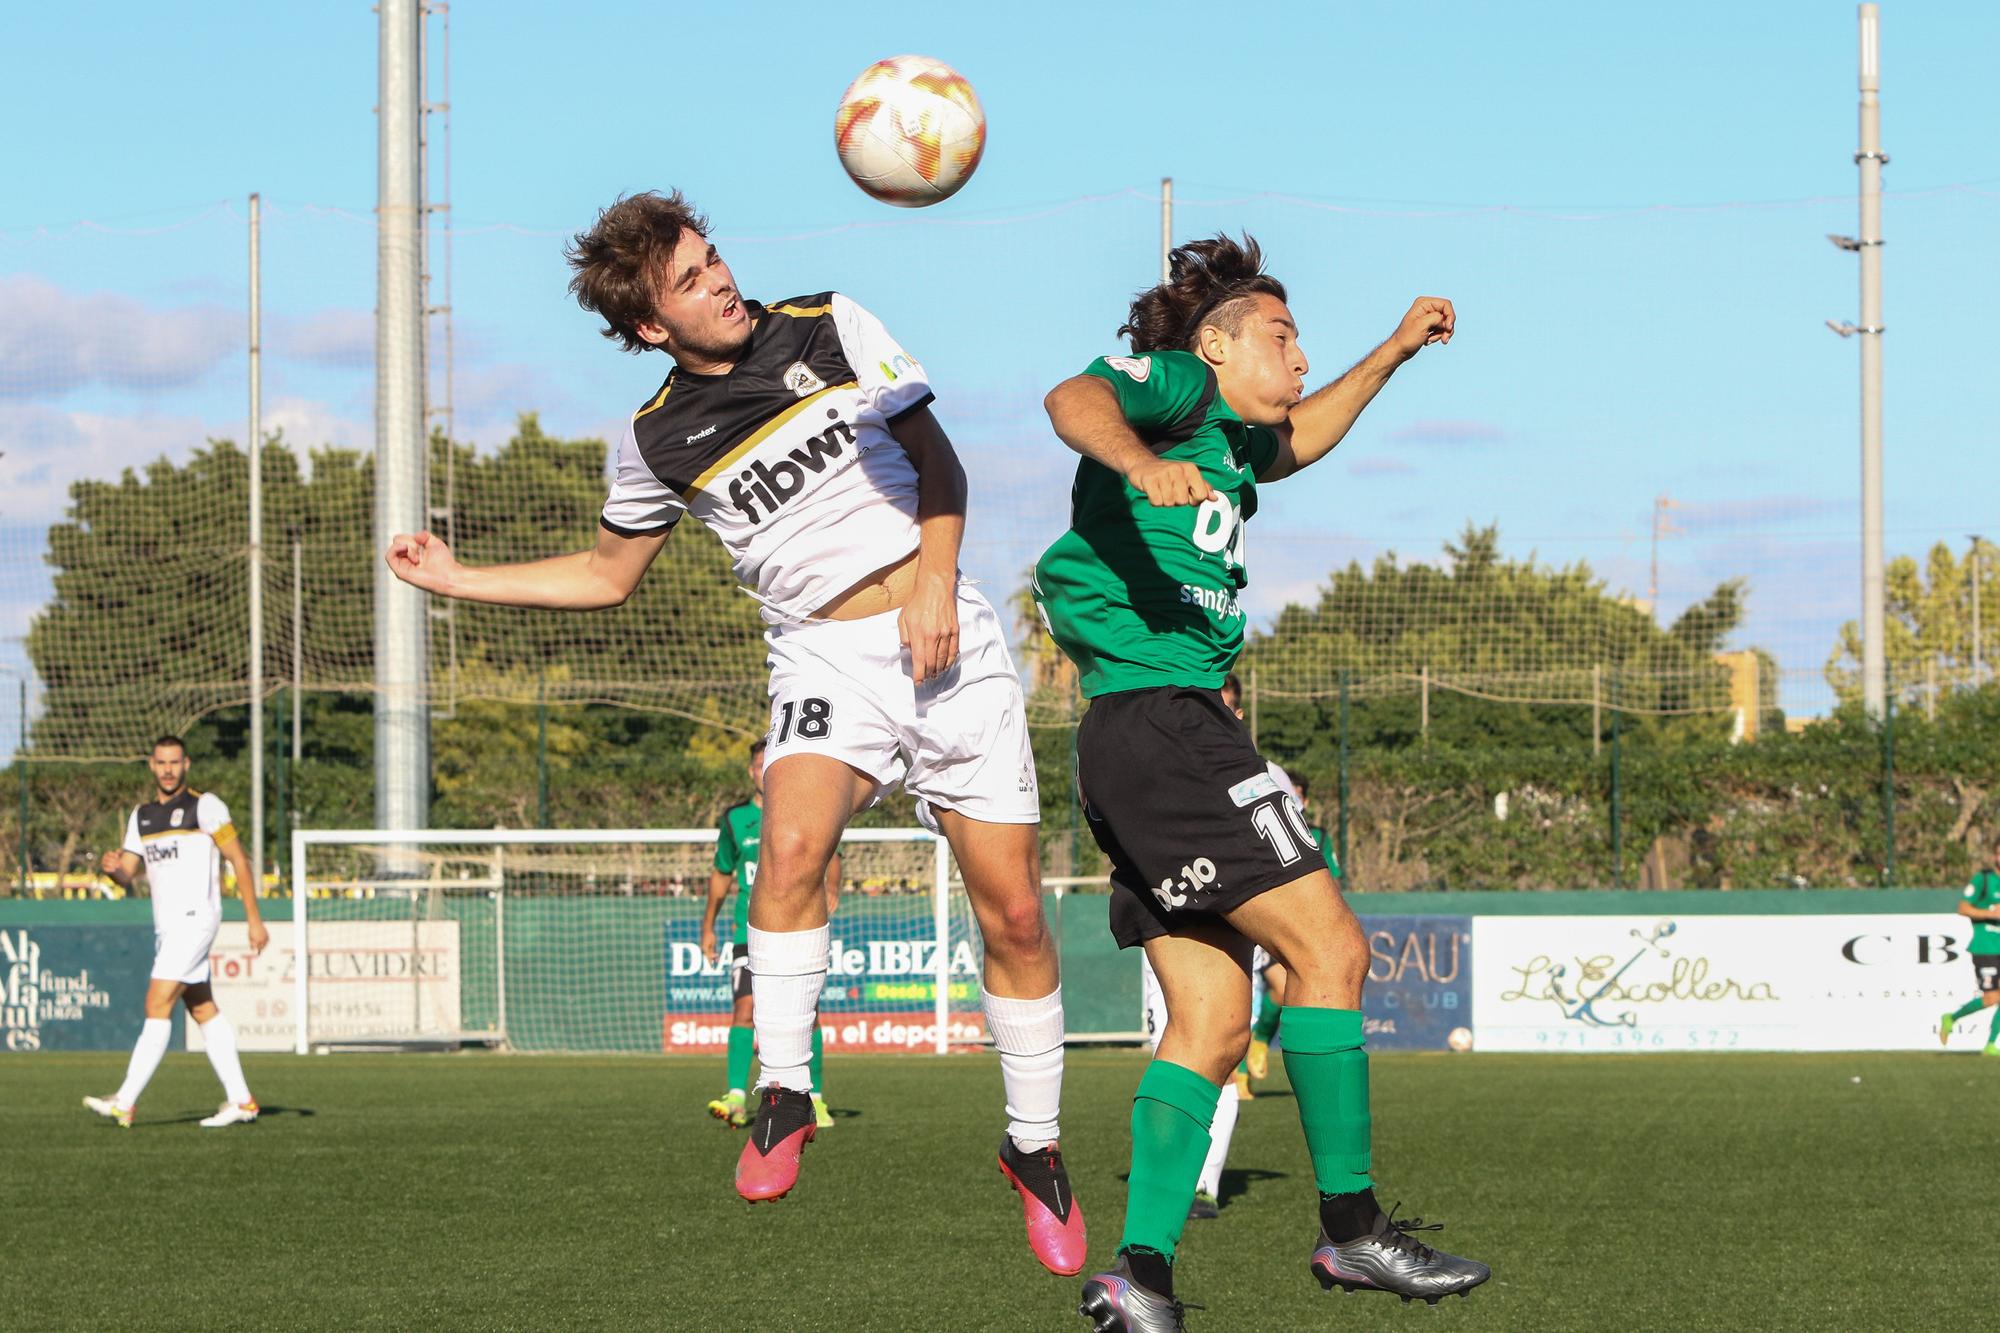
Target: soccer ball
909,131
1460,1039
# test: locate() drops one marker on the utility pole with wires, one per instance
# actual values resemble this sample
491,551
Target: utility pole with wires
1663,526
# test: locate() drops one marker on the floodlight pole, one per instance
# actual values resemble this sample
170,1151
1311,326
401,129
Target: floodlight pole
256,549
402,724
1870,158
1166,226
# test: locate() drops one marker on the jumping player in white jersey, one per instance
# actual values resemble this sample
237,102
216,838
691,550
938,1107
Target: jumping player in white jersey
179,840
800,432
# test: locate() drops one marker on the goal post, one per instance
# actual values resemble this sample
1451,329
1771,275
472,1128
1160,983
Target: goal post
589,940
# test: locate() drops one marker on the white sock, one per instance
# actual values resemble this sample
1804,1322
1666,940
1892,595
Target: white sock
152,1045
1029,1036
1219,1133
218,1034
787,973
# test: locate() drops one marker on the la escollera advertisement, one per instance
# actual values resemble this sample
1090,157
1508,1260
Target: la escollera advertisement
1860,982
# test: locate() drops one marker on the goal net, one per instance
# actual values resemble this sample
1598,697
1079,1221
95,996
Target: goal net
590,940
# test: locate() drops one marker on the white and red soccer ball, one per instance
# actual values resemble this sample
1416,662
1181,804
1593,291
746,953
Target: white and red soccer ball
909,131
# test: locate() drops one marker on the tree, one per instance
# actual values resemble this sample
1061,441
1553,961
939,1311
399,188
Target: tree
1927,629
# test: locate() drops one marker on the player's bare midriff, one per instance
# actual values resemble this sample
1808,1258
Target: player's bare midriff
887,589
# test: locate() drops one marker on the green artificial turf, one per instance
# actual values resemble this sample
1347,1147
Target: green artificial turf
477,1191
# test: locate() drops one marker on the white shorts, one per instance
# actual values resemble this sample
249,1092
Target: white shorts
181,948
842,688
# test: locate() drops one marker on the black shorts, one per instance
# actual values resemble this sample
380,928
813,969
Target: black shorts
739,971
1986,966
1186,809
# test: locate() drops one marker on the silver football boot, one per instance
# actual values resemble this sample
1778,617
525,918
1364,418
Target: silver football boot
1390,1259
1115,1303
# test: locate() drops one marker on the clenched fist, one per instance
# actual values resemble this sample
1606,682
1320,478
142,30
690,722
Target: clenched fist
422,559
1430,320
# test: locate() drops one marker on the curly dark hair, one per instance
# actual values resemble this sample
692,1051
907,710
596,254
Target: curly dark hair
1209,282
617,263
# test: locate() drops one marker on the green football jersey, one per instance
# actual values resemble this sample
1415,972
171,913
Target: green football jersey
1326,849
1140,595
1984,891
736,854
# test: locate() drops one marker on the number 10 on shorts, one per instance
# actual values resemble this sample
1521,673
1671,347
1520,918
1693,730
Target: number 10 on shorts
1271,828
813,719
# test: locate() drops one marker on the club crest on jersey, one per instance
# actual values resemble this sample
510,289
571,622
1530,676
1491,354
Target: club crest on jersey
801,381
176,820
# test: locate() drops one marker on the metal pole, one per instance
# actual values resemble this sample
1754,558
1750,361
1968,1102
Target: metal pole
542,755
1166,226
298,650
1596,710
941,893
1347,867
21,772
402,739
1976,664
1889,791
1253,706
1424,703
1617,808
1870,159
301,954
256,545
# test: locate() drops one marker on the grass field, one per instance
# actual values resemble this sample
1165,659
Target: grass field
447,1192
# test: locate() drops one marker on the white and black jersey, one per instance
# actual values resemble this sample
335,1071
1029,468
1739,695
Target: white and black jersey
181,840
788,457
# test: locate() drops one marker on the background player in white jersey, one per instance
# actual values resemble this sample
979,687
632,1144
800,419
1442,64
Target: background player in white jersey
800,433
179,840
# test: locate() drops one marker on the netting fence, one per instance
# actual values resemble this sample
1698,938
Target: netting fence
1548,689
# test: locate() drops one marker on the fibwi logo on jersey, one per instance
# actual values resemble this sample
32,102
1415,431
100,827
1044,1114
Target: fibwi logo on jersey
777,474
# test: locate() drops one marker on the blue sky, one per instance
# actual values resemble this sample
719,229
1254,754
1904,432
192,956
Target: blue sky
1627,204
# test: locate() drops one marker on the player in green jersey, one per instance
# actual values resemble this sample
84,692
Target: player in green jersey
736,843
1209,855
1981,902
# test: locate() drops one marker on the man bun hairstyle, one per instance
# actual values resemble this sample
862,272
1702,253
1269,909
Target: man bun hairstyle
1208,282
617,266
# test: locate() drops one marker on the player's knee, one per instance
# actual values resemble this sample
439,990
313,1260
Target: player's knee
1336,962
794,863
1017,929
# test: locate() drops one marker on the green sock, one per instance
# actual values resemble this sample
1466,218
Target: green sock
743,1043
1171,1114
1993,1033
1971,1006
818,1062
1329,1071
1266,1026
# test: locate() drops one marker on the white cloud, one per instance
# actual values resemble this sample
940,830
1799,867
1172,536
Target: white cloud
1380,467
53,341
341,339
43,450
309,425
1448,433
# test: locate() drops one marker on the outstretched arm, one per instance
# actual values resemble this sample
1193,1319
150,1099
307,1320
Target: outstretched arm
929,620
1084,411
1323,419
603,576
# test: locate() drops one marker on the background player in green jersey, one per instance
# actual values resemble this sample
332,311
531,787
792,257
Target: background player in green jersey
736,855
1209,855
1981,902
